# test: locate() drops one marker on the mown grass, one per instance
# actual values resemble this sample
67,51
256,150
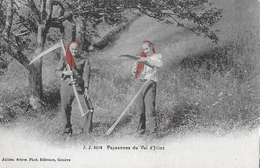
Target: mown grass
216,89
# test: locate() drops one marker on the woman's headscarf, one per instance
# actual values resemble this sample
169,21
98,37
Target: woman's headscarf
69,58
140,65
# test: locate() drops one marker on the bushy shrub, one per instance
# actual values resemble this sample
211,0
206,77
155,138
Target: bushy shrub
11,110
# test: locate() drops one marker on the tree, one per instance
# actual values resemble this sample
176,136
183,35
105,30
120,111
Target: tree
37,24
23,20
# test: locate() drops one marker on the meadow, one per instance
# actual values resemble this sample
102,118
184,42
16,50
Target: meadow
204,87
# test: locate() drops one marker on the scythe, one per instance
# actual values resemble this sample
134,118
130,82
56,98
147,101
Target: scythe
60,44
130,104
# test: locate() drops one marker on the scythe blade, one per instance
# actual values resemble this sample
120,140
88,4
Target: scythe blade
130,56
134,58
46,51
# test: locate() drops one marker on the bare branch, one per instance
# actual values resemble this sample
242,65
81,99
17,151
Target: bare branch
182,25
9,20
20,57
59,20
34,9
9,42
43,10
23,2
1,14
22,34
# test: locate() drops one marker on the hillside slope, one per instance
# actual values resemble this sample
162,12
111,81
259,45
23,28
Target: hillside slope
239,18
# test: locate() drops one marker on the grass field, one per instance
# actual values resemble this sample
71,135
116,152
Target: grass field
204,87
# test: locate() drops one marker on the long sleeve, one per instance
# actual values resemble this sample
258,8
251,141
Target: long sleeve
153,61
156,62
86,73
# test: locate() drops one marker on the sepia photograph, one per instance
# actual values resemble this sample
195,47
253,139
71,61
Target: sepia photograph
130,83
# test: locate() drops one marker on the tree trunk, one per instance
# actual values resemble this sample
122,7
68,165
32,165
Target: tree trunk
1,14
35,72
82,36
74,30
35,85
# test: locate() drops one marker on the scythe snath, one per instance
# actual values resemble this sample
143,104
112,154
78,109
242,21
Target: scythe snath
60,44
130,104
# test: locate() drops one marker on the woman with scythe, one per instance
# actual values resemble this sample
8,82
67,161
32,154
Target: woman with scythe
80,70
145,102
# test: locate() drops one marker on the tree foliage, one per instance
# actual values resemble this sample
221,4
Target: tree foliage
200,13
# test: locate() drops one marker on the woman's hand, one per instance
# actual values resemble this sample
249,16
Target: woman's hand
69,72
72,82
145,60
142,59
86,95
134,70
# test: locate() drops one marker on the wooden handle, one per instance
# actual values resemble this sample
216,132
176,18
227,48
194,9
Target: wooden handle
131,102
74,87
